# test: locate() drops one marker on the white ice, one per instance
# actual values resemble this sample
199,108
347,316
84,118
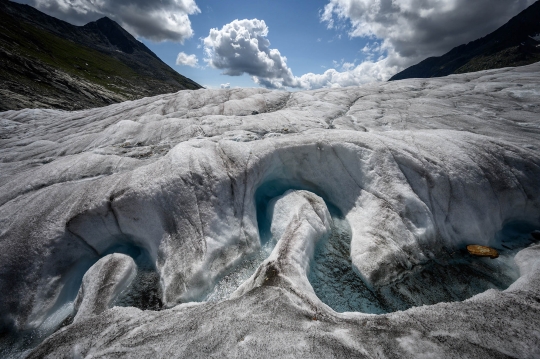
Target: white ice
102,284
417,168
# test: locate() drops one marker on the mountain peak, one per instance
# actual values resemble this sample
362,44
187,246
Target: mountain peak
107,22
106,19
114,34
96,64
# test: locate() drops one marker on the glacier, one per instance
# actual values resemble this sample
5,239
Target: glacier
258,223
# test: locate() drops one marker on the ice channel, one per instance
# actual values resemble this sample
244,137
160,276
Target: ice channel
264,197
143,293
455,276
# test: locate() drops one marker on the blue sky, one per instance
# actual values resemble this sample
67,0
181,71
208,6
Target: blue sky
293,44
295,29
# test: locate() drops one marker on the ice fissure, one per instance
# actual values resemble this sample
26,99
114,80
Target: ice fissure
273,228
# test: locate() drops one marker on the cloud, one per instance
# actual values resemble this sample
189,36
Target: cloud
401,33
372,48
187,60
154,20
412,30
366,72
347,66
242,47
225,86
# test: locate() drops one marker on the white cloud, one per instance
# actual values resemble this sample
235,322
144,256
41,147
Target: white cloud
347,66
371,48
412,30
187,60
226,86
242,47
366,72
154,20
402,32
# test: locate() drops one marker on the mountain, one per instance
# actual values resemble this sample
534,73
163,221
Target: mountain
49,63
516,43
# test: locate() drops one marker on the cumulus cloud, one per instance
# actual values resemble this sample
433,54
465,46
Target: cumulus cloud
154,20
401,33
225,86
411,30
242,47
187,60
407,31
366,72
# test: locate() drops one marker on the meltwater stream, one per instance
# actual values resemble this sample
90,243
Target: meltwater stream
230,282
332,276
454,276
145,291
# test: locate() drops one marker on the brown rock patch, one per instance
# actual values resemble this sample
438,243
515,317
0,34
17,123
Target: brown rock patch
482,251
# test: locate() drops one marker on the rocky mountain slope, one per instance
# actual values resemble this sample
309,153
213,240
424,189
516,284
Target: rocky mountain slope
516,43
49,63
252,223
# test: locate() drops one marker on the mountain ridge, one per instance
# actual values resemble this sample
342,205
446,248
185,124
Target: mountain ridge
47,62
512,44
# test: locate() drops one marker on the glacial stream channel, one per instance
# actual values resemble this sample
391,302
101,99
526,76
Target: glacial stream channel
452,276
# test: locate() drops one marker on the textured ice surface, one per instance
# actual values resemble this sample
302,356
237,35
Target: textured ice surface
102,284
452,276
144,291
417,169
333,278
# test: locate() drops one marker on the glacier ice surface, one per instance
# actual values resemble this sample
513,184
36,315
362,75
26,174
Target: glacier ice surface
279,223
102,284
454,276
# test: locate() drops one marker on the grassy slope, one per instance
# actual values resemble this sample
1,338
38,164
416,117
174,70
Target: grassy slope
76,60
513,56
